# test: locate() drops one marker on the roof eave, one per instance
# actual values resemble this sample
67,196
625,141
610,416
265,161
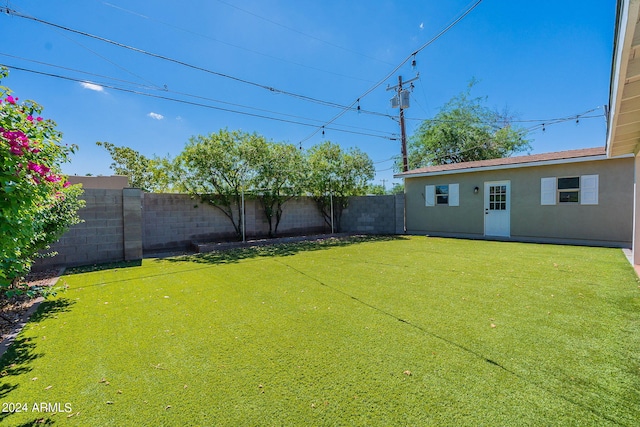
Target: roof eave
507,166
623,121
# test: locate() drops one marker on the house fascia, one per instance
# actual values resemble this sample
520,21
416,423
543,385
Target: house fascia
510,166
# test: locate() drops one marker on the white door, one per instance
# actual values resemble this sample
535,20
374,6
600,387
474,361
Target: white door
497,208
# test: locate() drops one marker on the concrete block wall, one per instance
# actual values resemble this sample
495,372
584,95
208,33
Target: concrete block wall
173,221
98,239
373,215
132,227
125,224
299,216
401,226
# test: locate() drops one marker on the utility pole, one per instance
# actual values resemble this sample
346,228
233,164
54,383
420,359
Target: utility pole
401,100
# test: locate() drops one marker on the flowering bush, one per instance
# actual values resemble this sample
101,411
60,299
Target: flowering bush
37,203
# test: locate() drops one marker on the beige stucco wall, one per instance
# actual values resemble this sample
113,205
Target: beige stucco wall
607,223
113,182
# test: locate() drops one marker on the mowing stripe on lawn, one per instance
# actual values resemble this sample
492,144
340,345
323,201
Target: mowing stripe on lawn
448,341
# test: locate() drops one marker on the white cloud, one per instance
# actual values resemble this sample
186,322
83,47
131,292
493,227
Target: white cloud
155,116
92,86
422,25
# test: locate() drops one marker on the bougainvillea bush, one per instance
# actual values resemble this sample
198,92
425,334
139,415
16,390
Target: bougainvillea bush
37,203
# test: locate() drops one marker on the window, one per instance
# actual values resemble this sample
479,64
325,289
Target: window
442,194
498,198
569,190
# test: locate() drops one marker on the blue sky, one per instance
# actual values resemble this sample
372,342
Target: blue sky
541,60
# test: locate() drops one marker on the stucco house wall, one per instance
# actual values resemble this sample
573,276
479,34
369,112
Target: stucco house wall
607,223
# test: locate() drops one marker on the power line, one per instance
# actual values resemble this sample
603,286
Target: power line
392,72
139,85
197,104
165,58
167,90
540,122
175,61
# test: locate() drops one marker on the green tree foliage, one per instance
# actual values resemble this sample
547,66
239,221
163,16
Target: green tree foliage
375,190
465,130
37,203
398,188
148,174
278,173
216,169
336,174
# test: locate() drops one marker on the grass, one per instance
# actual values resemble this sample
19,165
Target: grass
380,331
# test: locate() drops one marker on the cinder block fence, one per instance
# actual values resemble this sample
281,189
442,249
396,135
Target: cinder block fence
126,224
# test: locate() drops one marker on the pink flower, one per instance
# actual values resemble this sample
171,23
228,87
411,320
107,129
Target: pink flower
52,178
30,117
39,119
35,167
11,99
66,184
17,151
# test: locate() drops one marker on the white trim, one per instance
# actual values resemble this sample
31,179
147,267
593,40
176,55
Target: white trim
623,48
513,166
548,191
589,189
454,194
430,195
506,214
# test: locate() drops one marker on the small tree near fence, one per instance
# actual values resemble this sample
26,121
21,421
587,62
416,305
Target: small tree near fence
279,170
148,174
215,169
334,175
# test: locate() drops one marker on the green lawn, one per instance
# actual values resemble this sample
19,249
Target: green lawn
388,331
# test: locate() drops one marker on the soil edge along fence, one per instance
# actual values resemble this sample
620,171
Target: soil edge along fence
125,224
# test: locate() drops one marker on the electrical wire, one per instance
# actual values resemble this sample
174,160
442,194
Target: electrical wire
197,104
271,89
13,12
386,160
392,72
167,90
139,85
540,122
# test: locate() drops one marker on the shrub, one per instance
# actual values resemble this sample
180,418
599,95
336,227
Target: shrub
37,203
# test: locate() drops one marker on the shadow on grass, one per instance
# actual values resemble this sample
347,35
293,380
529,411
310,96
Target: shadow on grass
101,267
268,249
17,359
37,422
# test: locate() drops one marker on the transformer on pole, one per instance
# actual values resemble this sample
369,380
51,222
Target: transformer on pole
401,100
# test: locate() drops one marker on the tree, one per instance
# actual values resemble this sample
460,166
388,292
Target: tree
398,188
278,176
465,130
37,203
215,169
335,175
375,190
148,174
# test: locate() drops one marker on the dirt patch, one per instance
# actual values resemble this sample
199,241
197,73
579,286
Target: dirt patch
13,311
